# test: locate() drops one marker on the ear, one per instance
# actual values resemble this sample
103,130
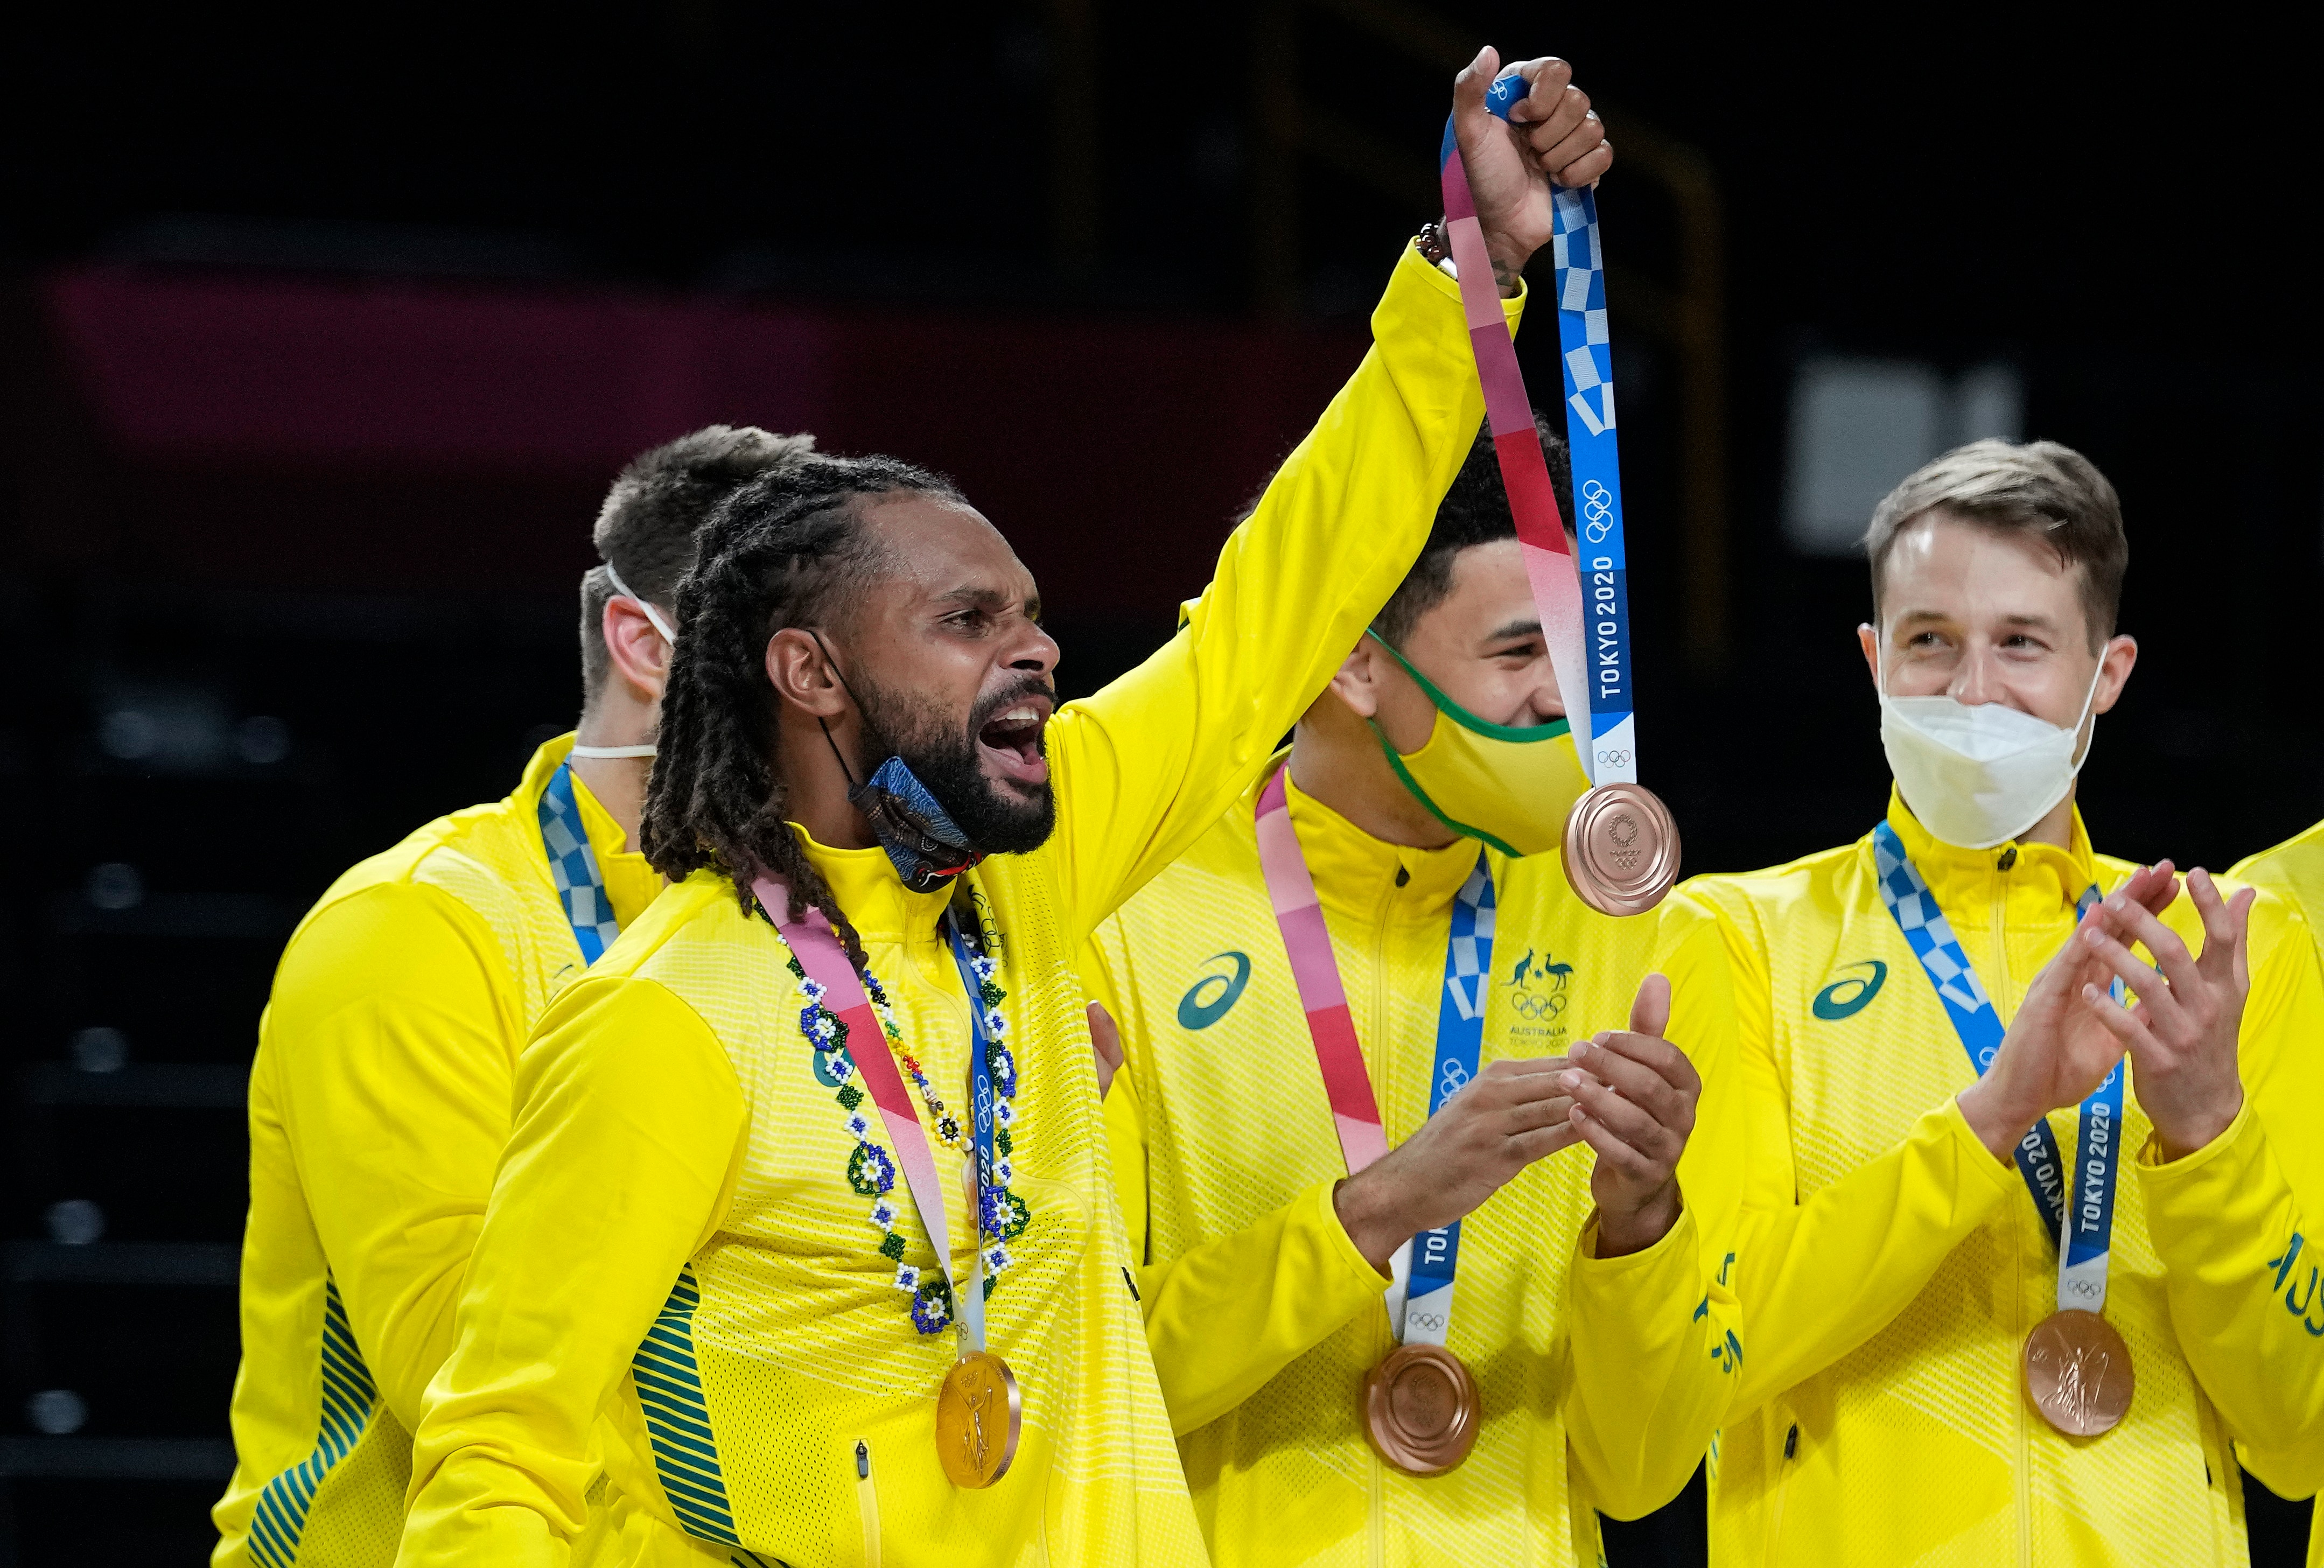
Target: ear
1868,637
2114,665
802,675
1357,680
640,655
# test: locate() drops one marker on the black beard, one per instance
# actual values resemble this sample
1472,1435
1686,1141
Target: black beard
999,818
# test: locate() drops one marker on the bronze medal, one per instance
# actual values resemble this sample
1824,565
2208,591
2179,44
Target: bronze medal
1421,1409
1620,849
2078,1372
979,1416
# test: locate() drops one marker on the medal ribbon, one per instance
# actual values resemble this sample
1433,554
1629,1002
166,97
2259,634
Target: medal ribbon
980,1115
1570,630
572,867
2083,1220
817,949
1420,1294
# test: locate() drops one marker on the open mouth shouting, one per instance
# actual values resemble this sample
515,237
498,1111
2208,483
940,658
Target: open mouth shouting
1011,740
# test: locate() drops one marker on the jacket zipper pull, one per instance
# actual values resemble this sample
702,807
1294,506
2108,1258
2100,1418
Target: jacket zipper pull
867,1503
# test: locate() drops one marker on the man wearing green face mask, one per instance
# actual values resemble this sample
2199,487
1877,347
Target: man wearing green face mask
1301,1216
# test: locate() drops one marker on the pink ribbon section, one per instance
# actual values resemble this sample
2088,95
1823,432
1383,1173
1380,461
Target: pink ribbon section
1550,565
1292,891
826,963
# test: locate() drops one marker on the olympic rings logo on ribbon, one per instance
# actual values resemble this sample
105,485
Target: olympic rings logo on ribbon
1597,511
1432,1322
1456,1078
1614,757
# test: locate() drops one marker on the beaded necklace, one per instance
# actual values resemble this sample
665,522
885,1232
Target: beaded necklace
1002,1215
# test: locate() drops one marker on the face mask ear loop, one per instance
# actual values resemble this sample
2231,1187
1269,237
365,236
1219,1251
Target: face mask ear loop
642,603
2088,698
852,785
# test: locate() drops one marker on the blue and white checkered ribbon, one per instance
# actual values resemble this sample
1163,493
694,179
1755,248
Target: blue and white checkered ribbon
572,867
1427,1311
1601,557
2083,1247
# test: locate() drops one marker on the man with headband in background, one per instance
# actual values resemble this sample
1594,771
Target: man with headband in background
721,1253
1987,1326
1588,1351
380,1095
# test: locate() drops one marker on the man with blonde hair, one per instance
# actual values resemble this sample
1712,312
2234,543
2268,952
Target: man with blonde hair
1953,1360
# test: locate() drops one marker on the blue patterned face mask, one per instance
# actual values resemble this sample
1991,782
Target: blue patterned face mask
928,849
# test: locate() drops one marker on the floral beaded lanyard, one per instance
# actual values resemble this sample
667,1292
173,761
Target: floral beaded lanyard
839,1015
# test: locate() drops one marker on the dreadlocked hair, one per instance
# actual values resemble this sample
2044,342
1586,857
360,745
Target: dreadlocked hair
786,548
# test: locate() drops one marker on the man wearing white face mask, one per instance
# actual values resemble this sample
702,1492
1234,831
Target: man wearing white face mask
381,1095
2007,1292
1590,1322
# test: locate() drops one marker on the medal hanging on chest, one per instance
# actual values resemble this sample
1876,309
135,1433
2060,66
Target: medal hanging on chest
2076,1369
1420,1406
1620,846
980,1410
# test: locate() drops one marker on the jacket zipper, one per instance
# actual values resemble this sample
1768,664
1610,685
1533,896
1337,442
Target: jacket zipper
1775,1532
867,1503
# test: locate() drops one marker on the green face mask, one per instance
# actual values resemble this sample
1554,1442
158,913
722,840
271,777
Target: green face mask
1511,786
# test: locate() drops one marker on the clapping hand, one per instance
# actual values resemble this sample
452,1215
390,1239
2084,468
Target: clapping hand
2059,1048
2181,1032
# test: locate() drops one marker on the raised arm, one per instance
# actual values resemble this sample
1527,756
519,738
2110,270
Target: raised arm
629,1130
1148,764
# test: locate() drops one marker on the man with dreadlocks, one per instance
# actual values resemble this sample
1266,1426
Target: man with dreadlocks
380,1096
738,1256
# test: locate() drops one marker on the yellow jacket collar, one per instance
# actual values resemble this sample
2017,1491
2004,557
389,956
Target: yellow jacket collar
1355,874
871,894
2039,875
630,882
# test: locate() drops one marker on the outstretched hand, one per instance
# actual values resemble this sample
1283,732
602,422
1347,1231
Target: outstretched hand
2182,1033
2059,1048
1552,136
1634,1098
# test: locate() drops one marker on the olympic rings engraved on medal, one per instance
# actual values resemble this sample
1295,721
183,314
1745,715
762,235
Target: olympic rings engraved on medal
1597,511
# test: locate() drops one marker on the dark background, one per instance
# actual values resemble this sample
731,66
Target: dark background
318,345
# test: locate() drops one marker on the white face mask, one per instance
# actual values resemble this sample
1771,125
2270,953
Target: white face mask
669,636
1979,776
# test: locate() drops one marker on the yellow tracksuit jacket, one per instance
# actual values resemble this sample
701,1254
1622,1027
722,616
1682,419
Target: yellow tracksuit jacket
1603,1380
1892,1268
678,1168
2293,1465
379,1102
